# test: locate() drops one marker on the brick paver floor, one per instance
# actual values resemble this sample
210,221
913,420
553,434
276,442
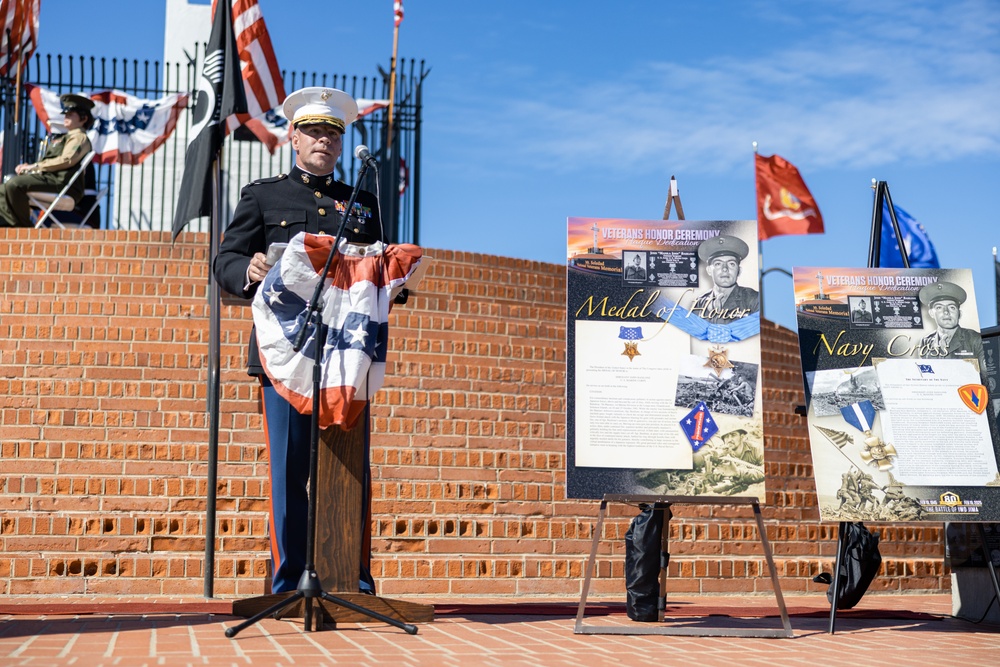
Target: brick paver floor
893,631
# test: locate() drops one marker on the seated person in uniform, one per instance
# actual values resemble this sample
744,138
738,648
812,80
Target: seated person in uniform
55,169
726,301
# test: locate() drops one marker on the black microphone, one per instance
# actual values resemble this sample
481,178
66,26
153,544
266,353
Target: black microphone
363,154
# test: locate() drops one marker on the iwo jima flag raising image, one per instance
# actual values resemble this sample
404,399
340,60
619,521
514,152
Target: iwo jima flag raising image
663,358
893,365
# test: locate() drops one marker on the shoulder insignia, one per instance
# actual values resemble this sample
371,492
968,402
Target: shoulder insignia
272,179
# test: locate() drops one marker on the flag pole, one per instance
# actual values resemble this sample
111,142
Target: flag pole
760,244
17,94
392,84
996,284
214,384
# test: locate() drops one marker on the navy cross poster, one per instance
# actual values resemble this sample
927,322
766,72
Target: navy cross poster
663,376
898,403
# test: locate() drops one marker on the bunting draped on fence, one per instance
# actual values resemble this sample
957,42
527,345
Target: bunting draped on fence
19,18
127,129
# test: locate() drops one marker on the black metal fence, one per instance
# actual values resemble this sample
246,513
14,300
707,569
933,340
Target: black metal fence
144,196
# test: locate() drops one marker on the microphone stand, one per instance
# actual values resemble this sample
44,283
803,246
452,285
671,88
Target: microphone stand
310,589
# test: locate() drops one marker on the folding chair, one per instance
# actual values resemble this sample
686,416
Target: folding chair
49,202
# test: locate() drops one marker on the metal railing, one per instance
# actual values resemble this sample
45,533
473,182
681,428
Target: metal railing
144,196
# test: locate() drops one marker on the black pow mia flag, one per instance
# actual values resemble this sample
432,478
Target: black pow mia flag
220,94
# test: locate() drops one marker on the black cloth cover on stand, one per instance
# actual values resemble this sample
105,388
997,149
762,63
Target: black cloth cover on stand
642,564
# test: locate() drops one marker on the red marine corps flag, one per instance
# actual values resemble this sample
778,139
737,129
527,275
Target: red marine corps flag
220,95
784,203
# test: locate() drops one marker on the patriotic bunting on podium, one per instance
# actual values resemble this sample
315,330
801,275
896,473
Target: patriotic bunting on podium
355,308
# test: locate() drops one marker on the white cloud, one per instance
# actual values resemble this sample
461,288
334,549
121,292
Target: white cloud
859,86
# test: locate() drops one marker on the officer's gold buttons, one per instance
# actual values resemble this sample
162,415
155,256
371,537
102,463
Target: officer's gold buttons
318,194
284,223
356,230
322,211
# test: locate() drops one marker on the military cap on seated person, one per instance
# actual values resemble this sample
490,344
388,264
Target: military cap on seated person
319,105
83,106
931,293
723,245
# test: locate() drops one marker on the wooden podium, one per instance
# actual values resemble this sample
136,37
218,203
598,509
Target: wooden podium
339,538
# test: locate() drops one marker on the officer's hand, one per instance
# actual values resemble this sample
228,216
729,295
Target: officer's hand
258,268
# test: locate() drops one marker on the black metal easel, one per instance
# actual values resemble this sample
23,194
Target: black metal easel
310,589
874,259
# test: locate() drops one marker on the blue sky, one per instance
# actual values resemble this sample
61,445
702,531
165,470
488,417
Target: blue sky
540,110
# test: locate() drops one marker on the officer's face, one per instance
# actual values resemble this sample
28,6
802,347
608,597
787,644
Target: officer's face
945,314
317,147
72,120
723,270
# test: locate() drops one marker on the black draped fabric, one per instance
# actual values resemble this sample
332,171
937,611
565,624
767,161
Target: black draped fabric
220,95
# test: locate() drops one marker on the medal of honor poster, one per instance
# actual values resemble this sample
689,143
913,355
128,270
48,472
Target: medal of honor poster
663,358
894,374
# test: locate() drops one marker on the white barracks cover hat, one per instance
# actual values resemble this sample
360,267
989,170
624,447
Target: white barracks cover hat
328,106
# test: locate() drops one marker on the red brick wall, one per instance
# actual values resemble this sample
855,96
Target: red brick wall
103,343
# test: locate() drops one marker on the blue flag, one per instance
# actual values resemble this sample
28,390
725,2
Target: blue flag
921,250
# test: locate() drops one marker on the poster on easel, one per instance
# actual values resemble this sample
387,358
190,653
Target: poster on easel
663,358
893,365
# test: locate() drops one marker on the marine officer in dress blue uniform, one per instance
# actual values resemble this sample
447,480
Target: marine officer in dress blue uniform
726,301
273,210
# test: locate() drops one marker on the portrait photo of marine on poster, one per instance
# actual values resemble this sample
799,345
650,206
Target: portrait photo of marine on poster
894,371
663,358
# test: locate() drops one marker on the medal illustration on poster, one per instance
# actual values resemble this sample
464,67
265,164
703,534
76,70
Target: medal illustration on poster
897,399
663,358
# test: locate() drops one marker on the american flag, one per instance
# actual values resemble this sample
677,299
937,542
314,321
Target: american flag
20,19
355,308
127,129
839,438
397,9
262,81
